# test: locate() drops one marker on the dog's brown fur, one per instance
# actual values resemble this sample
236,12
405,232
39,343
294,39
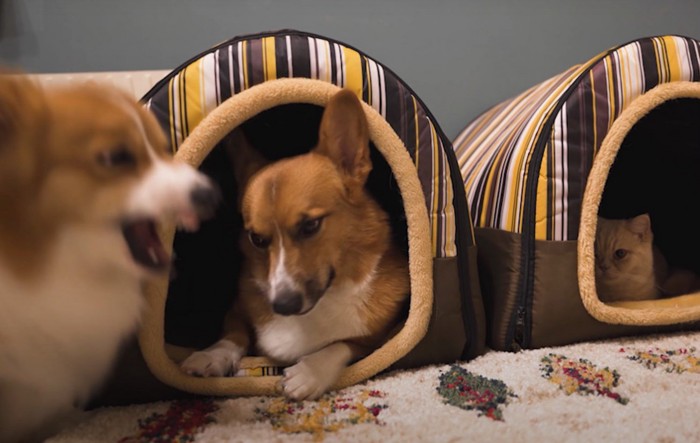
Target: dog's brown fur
23,119
84,178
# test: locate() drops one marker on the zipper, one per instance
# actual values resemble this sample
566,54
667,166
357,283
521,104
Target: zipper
516,344
519,332
458,192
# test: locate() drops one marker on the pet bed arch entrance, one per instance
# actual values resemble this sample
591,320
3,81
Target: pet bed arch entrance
198,145
667,311
445,318
526,164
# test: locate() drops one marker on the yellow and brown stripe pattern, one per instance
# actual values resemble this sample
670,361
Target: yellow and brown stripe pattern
199,86
525,162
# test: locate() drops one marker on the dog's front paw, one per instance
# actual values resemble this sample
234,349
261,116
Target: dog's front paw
315,374
219,360
305,381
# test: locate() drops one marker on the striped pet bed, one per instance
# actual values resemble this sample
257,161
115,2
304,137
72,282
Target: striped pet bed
275,85
615,136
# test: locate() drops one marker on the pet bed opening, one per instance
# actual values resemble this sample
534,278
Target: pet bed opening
656,172
648,164
205,278
207,263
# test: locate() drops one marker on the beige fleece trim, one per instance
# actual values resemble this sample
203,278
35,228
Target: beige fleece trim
649,312
197,146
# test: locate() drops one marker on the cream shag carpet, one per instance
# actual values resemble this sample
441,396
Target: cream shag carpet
638,389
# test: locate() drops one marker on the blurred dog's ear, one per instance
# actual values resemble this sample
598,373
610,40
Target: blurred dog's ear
344,138
23,124
13,89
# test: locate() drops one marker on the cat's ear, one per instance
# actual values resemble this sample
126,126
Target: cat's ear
641,227
602,222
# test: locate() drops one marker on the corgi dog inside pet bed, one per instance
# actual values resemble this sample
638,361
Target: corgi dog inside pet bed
322,283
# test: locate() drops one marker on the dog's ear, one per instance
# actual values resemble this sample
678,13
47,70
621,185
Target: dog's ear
22,106
11,97
246,160
23,124
344,137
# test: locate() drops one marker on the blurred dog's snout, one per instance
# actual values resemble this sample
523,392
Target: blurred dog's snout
205,199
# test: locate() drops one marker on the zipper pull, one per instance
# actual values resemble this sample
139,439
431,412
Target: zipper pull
519,335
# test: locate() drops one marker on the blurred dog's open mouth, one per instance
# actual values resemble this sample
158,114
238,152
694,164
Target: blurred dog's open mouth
142,237
144,244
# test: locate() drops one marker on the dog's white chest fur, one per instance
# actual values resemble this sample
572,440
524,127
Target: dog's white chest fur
335,317
60,331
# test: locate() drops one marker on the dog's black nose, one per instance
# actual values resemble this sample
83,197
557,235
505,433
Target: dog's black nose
288,303
205,200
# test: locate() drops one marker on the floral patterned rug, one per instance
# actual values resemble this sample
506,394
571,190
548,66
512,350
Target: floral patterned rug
640,389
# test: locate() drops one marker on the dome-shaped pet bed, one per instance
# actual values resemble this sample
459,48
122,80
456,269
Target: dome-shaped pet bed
274,87
614,137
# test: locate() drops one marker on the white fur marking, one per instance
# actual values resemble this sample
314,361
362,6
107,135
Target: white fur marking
280,279
153,255
129,109
166,189
167,185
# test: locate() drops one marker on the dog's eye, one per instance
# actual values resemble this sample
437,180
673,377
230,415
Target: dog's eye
258,240
310,227
620,253
119,156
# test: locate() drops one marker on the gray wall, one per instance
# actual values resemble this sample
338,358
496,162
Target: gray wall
459,56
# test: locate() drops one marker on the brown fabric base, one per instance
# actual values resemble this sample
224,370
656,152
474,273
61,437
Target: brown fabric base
448,334
558,316
499,267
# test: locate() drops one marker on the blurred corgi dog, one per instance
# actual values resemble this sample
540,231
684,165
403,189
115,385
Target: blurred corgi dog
322,283
84,180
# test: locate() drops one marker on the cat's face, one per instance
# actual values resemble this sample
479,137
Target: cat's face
624,259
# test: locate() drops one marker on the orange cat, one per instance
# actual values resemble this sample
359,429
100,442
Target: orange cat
629,267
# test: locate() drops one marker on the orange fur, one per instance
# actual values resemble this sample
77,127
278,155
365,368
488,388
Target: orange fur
23,118
630,267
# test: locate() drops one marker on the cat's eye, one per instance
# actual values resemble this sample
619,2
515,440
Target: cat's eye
620,253
258,240
309,228
117,156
